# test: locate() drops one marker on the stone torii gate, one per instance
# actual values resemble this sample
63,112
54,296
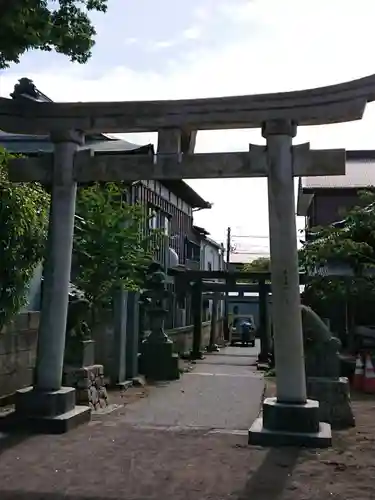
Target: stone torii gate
196,283
289,418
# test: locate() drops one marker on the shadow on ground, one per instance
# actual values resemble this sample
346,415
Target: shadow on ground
269,481
10,440
22,495
361,396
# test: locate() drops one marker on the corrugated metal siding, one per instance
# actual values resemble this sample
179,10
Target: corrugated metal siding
359,174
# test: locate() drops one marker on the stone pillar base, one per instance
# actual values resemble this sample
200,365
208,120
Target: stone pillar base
213,348
196,356
334,400
158,361
50,412
290,425
262,363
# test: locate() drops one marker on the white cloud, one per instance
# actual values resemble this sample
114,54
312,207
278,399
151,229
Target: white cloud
192,33
162,44
201,13
295,45
131,41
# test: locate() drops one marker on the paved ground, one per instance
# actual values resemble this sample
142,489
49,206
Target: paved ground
223,391
176,443
111,459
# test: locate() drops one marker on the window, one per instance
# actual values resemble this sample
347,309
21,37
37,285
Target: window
209,266
193,251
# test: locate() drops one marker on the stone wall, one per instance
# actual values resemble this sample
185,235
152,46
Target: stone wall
183,337
103,335
18,342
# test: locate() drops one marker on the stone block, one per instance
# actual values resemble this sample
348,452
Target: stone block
90,384
57,424
8,363
34,318
291,417
79,353
26,340
7,342
24,359
158,361
4,370
139,381
11,382
124,386
21,322
334,400
34,403
290,424
259,435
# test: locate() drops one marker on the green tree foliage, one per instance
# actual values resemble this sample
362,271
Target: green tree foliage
23,229
351,242
61,25
112,249
262,264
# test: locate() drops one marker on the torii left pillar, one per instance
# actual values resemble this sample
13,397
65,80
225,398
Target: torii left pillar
47,406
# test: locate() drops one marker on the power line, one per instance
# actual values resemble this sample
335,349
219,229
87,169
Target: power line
249,236
250,253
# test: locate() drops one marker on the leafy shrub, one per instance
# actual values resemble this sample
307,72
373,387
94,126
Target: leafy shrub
23,231
112,247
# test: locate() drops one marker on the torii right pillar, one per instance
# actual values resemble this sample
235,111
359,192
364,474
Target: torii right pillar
289,418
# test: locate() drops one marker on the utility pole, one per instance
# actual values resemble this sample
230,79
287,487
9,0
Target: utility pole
226,308
228,246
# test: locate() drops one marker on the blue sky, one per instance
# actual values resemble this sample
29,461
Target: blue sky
149,49
146,35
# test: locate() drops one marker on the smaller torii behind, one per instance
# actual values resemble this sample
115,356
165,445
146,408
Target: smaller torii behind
199,284
289,418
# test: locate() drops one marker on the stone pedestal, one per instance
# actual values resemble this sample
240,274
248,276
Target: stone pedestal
81,372
51,412
132,336
79,353
290,424
196,305
158,361
89,384
264,327
334,400
212,346
117,368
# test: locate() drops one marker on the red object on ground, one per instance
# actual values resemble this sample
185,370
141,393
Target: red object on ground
369,379
358,379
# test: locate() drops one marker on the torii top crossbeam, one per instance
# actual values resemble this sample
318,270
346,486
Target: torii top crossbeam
331,104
